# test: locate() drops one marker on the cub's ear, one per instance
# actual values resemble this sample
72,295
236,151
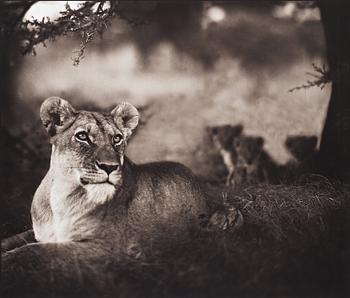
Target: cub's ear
237,129
56,114
126,116
211,130
260,142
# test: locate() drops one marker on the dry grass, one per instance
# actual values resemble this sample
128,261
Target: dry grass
289,246
294,242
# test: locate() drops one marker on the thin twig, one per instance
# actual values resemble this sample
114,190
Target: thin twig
321,77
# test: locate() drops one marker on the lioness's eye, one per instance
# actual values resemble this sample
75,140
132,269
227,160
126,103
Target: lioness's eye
117,139
82,136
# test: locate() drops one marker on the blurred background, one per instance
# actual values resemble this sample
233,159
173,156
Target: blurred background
232,63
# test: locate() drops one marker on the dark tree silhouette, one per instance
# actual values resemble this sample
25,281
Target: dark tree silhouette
11,14
334,157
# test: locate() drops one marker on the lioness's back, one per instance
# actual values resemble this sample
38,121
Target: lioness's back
167,194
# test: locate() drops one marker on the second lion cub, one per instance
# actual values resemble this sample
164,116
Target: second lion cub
253,162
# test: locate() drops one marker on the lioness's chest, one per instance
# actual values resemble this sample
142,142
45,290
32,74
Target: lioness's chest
71,208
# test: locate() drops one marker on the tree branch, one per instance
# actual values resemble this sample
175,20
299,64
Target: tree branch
321,77
90,19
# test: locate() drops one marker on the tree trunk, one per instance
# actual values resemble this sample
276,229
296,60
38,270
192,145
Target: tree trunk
11,14
334,157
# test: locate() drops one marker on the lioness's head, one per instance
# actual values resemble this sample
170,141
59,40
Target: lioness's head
88,147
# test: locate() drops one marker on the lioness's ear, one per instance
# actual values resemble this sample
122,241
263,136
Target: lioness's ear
56,114
126,117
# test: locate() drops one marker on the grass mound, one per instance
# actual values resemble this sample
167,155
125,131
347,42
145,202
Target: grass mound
285,210
295,241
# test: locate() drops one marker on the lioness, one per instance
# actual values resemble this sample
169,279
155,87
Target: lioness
94,197
93,191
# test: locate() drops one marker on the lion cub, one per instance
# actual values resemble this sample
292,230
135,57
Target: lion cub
253,163
303,150
222,138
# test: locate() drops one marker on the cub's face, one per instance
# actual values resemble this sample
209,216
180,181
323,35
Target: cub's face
88,147
223,135
248,148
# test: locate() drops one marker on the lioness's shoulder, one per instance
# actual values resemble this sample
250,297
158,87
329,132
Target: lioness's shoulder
164,168
166,172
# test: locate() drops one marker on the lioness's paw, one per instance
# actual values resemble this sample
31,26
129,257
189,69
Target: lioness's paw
229,219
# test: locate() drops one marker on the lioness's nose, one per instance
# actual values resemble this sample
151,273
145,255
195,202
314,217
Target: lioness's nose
107,167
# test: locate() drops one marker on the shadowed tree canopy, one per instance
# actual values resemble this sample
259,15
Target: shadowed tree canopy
92,18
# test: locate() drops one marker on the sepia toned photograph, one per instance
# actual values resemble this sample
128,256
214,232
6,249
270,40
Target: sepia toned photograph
172,149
